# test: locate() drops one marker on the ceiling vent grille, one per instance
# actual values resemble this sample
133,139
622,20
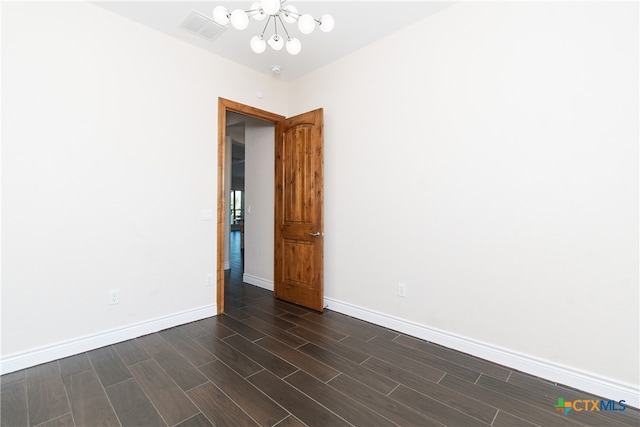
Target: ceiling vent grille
202,25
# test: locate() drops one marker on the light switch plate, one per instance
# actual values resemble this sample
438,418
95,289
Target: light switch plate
207,214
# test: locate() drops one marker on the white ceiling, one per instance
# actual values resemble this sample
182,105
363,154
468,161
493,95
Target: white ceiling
357,24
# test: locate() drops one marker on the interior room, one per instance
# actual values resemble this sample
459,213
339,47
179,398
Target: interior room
481,181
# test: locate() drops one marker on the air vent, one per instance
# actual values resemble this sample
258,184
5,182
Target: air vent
202,25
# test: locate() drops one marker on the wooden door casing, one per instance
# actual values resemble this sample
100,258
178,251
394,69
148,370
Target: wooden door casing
224,106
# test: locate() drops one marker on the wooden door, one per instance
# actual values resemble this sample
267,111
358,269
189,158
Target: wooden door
299,199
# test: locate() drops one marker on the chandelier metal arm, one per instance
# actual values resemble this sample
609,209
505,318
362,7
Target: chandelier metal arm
275,26
265,27
286,12
284,27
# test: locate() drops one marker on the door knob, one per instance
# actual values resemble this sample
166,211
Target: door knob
316,234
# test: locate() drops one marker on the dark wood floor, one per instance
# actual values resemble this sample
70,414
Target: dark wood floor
265,362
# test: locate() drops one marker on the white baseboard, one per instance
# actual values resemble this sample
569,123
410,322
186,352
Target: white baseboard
592,383
16,361
257,281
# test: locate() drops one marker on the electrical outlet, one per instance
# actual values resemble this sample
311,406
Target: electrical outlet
402,290
114,296
209,281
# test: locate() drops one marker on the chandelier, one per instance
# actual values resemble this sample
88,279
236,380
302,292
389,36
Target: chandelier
274,11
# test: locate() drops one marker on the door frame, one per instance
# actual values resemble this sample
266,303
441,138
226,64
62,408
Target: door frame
224,106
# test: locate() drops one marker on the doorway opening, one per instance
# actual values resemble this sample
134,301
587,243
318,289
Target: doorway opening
241,209
250,189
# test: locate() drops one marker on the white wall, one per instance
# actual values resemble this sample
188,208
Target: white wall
488,158
109,143
259,199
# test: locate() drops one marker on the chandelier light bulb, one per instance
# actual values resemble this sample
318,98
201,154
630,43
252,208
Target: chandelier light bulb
290,14
257,14
239,19
221,15
306,24
294,46
258,45
271,7
326,23
276,42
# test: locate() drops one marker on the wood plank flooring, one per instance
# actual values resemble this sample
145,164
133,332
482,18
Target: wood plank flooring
269,363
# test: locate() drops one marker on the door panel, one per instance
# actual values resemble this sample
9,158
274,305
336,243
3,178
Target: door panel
299,197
